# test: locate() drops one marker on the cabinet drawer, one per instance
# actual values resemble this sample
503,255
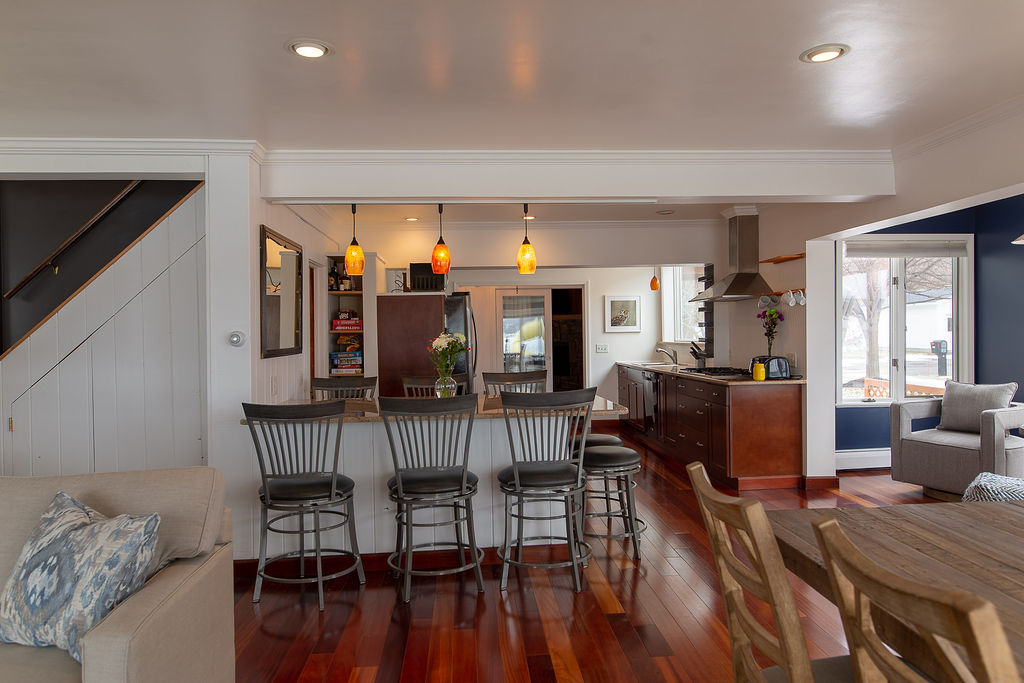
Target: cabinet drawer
693,388
692,413
718,394
693,445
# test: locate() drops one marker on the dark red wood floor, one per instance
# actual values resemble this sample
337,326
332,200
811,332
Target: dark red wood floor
660,620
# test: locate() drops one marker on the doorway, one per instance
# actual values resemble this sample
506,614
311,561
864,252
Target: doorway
567,350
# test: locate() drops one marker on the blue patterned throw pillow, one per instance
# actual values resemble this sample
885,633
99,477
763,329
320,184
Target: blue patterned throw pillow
75,566
994,488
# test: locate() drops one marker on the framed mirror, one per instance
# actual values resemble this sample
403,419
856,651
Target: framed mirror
280,295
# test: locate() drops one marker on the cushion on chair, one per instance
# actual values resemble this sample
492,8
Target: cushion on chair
540,475
599,457
962,404
989,487
948,461
599,440
306,487
431,481
74,568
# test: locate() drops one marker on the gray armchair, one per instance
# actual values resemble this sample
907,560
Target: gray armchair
948,460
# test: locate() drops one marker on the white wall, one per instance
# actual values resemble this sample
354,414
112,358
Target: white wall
597,283
114,380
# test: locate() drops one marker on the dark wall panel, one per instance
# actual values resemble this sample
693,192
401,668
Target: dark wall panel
36,216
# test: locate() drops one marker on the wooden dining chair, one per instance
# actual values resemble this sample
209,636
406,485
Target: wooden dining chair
333,388
423,385
759,573
940,618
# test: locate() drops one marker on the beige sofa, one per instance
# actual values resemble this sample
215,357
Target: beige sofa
180,625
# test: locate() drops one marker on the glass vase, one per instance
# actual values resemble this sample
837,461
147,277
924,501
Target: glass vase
445,386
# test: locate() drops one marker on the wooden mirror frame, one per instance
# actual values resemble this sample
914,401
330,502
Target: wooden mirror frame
273,352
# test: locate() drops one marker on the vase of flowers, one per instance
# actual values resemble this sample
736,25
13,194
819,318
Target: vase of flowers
444,349
770,319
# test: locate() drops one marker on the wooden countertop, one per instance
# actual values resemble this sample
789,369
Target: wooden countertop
488,408
725,380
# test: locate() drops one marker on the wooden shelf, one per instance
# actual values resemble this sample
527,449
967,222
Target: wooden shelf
344,291
785,258
785,291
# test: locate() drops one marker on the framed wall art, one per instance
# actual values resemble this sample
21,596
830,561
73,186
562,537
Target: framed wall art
621,313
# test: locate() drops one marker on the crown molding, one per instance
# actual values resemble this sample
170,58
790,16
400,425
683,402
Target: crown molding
958,129
560,157
740,210
541,226
132,146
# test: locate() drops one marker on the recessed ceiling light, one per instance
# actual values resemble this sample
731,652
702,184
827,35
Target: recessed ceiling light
411,219
527,218
310,49
665,212
824,53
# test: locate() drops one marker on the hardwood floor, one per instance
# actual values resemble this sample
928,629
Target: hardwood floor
660,620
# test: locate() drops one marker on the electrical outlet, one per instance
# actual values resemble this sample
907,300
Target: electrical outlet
601,348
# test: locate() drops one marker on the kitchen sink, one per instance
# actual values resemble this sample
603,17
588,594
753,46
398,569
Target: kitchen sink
654,364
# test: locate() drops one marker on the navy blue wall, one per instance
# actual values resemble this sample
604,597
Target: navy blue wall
998,308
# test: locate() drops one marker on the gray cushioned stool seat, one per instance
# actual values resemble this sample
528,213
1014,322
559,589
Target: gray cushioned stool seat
447,480
600,457
539,474
599,440
299,487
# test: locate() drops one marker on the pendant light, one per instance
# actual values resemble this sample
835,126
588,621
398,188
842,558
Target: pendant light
441,257
355,261
526,259
655,285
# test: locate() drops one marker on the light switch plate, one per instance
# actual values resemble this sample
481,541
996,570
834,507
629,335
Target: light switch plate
600,348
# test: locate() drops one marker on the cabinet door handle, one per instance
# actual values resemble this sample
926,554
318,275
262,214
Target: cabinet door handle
700,412
700,444
698,389
682,436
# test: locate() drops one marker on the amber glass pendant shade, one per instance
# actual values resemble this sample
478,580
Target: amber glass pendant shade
440,258
526,259
355,261
655,285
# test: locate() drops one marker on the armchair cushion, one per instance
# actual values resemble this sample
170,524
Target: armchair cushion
948,461
989,487
962,404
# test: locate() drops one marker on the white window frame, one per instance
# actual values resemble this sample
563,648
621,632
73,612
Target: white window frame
669,304
963,315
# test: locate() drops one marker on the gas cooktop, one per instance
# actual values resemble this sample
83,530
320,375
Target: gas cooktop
718,371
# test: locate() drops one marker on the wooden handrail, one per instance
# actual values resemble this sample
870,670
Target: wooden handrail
74,237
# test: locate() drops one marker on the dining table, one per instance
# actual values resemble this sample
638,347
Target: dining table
975,547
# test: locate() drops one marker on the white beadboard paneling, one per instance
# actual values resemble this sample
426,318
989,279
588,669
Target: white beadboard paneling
42,348
186,426
21,451
201,314
71,326
156,360
5,435
131,396
155,252
46,426
100,302
103,351
181,229
75,415
17,377
127,276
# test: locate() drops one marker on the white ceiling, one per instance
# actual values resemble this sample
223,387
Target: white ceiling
501,215
506,74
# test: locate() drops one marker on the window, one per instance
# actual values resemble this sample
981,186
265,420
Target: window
904,316
680,318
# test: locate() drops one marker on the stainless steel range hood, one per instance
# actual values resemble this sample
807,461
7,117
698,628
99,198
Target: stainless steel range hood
743,281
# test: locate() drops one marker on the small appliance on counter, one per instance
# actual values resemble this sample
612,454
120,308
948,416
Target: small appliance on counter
775,367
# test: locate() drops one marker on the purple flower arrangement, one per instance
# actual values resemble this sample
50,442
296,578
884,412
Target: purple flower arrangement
770,319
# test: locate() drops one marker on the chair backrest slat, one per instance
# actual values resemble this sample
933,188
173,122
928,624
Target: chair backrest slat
431,433
941,618
760,573
424,385
296,439
524,382
328,388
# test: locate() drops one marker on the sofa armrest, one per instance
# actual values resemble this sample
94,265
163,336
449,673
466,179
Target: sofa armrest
901,417
994,425
178,627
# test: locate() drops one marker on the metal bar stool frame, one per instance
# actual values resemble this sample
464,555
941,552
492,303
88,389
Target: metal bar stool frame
333,388
624,484
541,429
422,386
532,382
296,443
431,437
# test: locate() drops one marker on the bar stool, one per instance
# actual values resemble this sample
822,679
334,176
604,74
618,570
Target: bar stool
546,468
529,382
614,464
424,385
599,440
429,439
297,448
327,388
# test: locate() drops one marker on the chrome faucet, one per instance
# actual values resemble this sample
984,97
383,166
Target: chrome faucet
668,352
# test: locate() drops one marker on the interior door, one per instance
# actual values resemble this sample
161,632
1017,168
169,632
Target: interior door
524,330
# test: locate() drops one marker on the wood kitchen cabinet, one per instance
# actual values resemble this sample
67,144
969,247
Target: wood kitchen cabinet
748,435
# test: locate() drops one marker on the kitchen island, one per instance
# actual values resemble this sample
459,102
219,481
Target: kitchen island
748,434
366,458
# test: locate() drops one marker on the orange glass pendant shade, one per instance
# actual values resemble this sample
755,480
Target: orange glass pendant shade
355,261
526,259
440,258
655,285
